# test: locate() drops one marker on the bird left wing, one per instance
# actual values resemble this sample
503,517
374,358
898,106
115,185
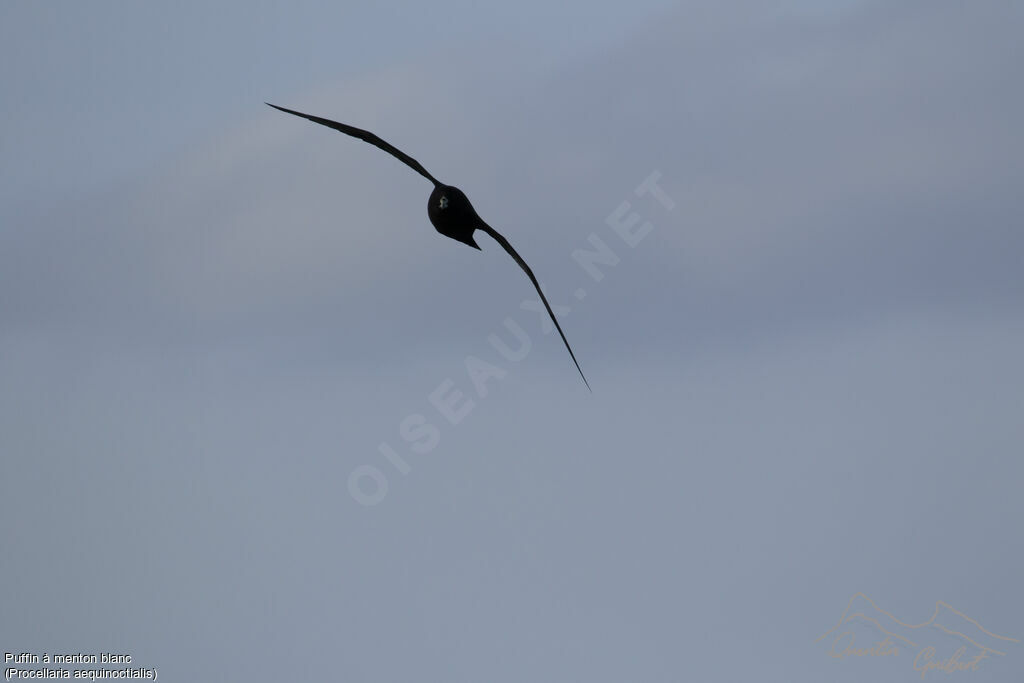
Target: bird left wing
365,136
529,273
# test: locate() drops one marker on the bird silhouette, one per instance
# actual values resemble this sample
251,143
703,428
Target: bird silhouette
448,208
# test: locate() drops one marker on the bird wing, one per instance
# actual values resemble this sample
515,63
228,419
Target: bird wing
365,136
529,273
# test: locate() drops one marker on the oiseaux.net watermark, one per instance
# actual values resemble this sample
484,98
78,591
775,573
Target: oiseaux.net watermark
946,644
368,483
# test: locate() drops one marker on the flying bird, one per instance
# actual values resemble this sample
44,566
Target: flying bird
448,208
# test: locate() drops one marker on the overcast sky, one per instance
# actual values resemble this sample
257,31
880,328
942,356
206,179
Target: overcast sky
259,421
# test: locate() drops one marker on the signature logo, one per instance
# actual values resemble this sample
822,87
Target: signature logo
949,642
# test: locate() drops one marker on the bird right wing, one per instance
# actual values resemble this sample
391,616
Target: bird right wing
529,273
365,136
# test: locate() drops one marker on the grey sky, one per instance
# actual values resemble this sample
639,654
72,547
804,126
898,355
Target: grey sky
807,377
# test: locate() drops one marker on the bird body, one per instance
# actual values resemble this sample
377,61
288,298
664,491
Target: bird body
452,214
448,208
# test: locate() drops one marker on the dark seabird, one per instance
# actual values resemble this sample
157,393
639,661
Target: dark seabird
448,208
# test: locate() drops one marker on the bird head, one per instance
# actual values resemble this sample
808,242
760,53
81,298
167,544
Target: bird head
450,200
